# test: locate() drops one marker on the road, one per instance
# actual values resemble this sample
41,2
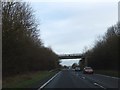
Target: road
72,79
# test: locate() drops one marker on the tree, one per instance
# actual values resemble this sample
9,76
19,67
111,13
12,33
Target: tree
22,49
105,53
74,65
82,63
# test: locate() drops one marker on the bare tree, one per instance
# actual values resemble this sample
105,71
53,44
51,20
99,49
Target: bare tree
22,48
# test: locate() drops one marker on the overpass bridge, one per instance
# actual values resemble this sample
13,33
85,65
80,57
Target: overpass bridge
70,56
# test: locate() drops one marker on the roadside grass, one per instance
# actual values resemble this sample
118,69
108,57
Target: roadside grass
108,72
25,80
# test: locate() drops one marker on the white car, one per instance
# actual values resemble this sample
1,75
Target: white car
77,69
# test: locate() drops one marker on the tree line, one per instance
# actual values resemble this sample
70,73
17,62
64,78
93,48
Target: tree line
105,53
22,48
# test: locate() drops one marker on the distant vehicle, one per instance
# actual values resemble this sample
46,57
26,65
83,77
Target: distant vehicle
88,70
77,69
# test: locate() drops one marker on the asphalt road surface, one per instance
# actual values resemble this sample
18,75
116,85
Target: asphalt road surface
73,79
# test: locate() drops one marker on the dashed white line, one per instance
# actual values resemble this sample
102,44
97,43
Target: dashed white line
99,85
83,77
48,81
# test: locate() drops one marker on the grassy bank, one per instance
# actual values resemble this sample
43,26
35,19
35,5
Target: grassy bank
108,72
25,80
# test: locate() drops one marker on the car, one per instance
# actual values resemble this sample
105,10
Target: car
88,70
77,69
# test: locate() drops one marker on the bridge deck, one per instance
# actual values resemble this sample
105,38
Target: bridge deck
70,56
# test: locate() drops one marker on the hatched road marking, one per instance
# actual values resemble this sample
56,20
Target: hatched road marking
99,85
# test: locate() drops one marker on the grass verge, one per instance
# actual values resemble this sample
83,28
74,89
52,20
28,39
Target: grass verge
25,80
108,72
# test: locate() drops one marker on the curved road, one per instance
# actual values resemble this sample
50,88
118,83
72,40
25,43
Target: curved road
72,79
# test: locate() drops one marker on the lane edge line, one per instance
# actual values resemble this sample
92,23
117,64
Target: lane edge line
48,81
108,76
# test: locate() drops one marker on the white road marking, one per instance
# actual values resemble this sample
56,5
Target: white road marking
108,76
83,77
99,85
77,74
48,81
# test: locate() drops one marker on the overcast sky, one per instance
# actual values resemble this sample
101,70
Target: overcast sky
70,26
